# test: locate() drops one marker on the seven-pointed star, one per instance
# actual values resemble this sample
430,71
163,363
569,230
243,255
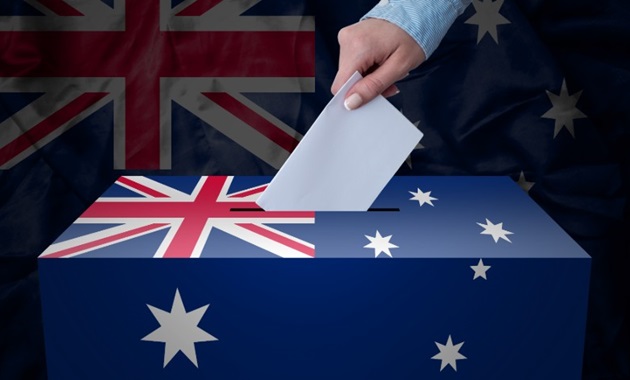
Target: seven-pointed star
487,18
564,110
422,198
179,330
449,354
380,244
480,270
496,230
524,183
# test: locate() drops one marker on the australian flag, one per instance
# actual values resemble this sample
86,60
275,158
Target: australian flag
430,282
92,89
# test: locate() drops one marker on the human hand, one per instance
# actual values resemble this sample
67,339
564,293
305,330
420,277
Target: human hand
382,52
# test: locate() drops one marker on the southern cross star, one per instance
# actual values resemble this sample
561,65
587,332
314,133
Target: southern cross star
496,230
564,110
422,197
487,18
380,244
524,183
480,270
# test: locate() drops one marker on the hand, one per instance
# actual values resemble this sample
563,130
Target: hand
380,49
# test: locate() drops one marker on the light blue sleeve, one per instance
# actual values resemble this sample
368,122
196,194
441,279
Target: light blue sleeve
427,21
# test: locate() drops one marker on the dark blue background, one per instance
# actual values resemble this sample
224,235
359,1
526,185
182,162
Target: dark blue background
479,107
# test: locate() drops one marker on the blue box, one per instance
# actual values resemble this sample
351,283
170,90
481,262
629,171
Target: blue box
444,277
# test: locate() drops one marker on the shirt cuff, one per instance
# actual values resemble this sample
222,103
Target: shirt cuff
426,21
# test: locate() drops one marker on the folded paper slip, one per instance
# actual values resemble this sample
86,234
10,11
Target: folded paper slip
345,159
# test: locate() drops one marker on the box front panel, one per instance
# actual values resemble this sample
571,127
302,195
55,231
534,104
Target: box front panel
314,319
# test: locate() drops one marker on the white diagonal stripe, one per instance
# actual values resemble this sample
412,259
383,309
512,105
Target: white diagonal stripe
152,184
58,92
226,16
187,93
88,238
236,129
261,241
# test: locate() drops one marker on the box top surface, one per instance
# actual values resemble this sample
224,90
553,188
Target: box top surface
413,217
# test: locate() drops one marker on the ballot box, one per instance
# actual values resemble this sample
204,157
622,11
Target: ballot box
443,278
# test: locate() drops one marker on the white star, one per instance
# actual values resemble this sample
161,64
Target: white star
480,270
178,329
487,18
418,147
449,354
422,198
564,110
496,230
523,183
380,244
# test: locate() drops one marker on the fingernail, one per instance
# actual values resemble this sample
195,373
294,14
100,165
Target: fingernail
397,92
353,102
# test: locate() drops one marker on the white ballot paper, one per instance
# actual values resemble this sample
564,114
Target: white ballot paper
345,159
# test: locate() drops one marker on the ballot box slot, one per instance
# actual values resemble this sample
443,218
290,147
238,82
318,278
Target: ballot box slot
251,209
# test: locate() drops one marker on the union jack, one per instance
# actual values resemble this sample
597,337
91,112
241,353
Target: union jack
144,55
188,216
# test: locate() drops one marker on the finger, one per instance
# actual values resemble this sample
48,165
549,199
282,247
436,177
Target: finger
344,73
352,57
391,91
348,65
375,83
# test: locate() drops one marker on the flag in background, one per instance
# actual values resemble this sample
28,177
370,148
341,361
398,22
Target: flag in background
91,89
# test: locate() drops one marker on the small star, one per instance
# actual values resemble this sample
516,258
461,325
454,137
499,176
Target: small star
496,230
480,270
422,198
418,147
523,183
564,110
380,244
178,330
449,354
487,18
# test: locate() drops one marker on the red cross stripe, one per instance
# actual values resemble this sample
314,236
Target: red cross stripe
142,54
189,218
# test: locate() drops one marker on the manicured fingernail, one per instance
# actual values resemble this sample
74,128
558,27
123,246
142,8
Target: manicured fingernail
353,101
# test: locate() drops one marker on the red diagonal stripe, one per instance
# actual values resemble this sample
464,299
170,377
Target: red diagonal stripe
60,7
141,188
278,238
105,240
247,193
198,8
48,125
259,123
